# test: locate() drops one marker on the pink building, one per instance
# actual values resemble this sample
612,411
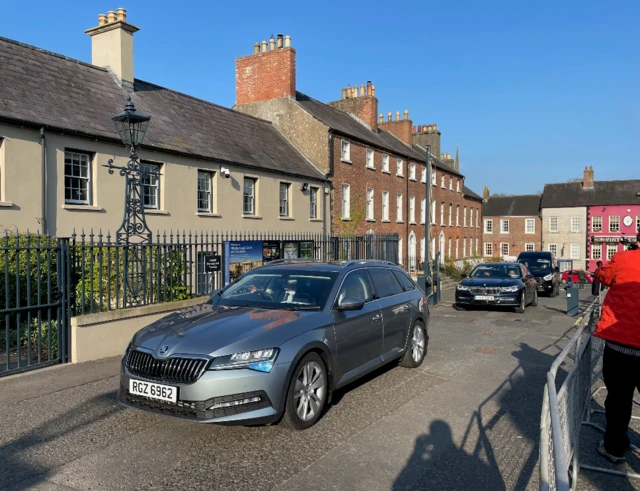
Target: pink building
606,225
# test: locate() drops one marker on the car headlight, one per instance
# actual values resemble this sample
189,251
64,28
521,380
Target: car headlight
507,289
463,288
549,277
261,360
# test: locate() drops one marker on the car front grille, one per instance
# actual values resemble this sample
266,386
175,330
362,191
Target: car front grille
180,370
196,410
485,291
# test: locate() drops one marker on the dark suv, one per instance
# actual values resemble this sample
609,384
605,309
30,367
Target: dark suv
543,266
275,343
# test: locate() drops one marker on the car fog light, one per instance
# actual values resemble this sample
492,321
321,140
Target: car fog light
239,402
263,366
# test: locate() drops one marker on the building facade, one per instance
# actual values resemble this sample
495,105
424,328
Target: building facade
219,170
378,176
582,220
512,224
607,225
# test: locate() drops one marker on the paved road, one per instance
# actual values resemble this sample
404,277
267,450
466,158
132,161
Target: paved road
467,419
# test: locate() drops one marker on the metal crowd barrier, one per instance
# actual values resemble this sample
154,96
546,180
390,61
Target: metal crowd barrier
567,408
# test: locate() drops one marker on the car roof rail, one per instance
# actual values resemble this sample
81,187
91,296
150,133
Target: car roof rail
368,261
291,260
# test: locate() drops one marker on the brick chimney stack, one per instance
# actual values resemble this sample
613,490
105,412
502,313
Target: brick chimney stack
588,180
361,102
401,128
268,73
428,134
486,193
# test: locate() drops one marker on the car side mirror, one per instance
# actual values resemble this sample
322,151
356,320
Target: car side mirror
350,303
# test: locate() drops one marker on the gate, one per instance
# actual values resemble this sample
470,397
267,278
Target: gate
34,302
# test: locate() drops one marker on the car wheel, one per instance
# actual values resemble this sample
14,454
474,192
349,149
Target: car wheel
523,302
307,393
534,302
417,349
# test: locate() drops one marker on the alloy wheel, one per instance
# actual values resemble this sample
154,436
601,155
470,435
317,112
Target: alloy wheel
309,391
417,343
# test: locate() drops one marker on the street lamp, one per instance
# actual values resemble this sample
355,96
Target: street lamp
425,281
134,233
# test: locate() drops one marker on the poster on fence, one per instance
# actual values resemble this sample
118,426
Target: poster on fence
306,249
270,251
242,256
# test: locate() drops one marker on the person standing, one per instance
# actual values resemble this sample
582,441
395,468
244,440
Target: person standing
582,278
619,326
595,286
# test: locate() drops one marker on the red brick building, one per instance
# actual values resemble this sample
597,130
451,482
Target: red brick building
376,169
512,224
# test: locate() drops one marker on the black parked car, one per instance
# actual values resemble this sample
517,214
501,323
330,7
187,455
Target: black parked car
499,284
543,266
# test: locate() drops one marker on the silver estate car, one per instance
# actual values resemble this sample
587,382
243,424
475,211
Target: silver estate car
275,344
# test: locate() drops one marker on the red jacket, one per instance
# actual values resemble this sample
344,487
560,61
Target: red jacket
620,320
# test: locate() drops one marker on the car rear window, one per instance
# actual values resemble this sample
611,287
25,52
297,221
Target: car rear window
384,282
406,282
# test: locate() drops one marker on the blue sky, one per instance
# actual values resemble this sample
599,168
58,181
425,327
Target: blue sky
531,91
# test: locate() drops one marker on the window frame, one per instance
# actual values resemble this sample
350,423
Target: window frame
617,217
576,220
557,223
345,211
555,249
488,249
399,167
464,217
488,221
423,211
412,209
252,196
450,183
156,186
442,184
369,158
205,176
88,179
399,204
442,214
594,248
611,248
529,244
450,214
434,177
287,199
596,224
369,193
313,203
571,250
385,206
502,248
423,179
412,172
385,163
457,215
502,230
345,150
527,222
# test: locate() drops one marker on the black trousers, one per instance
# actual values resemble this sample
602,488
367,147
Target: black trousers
622,377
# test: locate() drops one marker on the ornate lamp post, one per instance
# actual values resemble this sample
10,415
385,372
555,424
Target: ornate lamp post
134,232
425,280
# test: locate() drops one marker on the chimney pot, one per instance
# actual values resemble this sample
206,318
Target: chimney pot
406,114
414,129
272,43
122,14
369,87
397,115
102,19
344,94
287,41
264,46
354,91
111,16
280,41
389,117
424,128
381,117
373,91
256,48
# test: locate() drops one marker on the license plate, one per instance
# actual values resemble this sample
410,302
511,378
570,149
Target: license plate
153,391
484,297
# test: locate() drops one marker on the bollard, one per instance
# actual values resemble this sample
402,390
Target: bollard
573,297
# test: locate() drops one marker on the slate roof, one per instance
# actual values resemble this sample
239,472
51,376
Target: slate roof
46,89
571,194
471,194
347,125
526,205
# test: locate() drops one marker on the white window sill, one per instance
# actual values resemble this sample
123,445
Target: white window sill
386,172
346,161
315,219
399,175
81,207
413,223
152,211
413,179
371,220
386,221
345,219
208,214
529,233
370,168
5,204
399,221
286,218
252,217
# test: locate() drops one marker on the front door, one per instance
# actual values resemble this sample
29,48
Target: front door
358,332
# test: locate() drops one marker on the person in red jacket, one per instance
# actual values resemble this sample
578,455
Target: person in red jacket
619,326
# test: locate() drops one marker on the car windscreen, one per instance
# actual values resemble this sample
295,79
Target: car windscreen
280,289
536,264
497,271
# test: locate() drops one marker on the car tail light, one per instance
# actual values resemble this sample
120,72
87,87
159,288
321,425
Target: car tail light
424,304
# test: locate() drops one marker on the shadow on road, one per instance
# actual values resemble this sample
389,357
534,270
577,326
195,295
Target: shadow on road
509,417
19,457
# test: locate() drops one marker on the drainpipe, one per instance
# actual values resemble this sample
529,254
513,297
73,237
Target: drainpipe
330,175
43,198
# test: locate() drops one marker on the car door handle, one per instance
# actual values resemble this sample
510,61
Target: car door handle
377,317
